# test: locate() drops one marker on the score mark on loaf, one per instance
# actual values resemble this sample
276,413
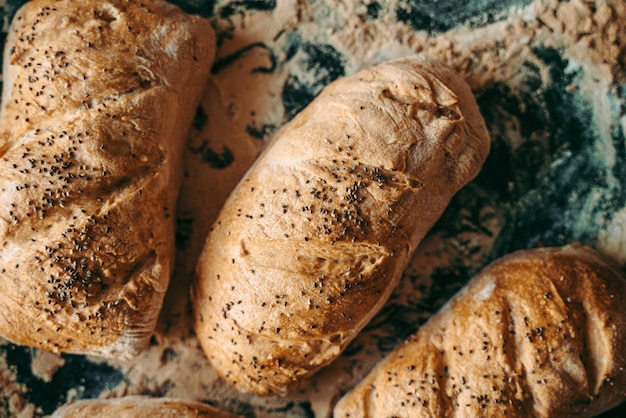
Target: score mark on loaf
311,243
97,100
538,333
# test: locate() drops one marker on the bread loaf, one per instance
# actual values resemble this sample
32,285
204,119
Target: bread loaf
138,407
97,99
538,333
312,241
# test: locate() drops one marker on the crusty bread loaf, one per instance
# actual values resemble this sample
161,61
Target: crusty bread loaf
97,100
138,407
311,243
537,333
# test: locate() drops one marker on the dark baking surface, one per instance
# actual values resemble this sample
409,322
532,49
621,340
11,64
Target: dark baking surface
539,188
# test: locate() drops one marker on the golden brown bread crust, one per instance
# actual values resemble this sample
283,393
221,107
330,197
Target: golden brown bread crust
139,407
537,333
314,238
97,99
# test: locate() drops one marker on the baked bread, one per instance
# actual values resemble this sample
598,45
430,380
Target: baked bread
138,407
537,333
312,241
97,100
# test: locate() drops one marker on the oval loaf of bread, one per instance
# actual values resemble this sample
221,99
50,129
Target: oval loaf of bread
538,333
139,407
97,100
312,241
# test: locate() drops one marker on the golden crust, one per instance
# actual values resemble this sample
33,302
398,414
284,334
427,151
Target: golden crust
312,241
139,407
98,97
537,333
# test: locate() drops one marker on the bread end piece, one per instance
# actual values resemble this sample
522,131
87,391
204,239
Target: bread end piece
139,407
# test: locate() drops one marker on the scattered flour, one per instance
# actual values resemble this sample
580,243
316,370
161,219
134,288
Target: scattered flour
245,104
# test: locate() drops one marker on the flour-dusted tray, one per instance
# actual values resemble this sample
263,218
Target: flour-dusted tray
550,79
